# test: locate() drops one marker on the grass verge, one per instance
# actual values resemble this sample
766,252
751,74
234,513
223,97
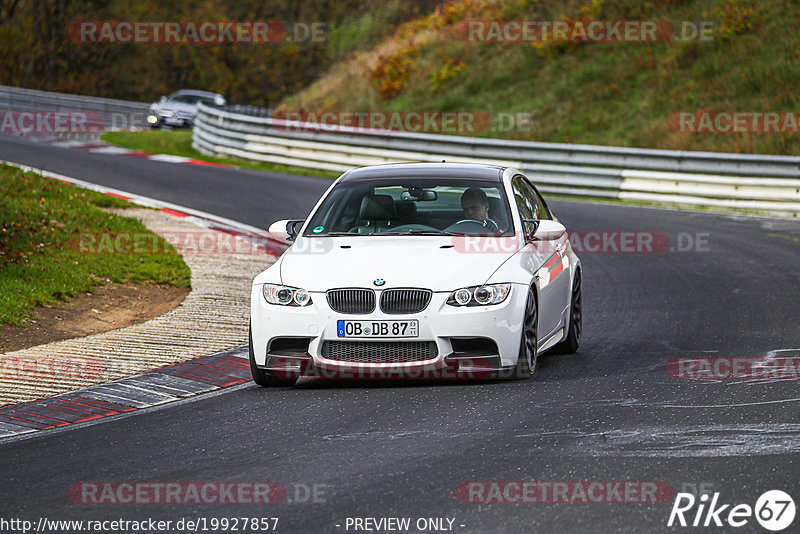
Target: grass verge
41,224
179,143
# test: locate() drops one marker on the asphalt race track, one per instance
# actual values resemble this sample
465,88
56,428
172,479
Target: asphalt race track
611,412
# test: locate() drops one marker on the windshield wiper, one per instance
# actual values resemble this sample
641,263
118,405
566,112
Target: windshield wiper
417,232
336,234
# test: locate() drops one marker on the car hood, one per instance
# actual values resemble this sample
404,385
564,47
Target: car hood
432,262
178,106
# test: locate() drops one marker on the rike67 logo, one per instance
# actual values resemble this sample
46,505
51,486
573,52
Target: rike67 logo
774,510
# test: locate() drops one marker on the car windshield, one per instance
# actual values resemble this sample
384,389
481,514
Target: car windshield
192,99
413,207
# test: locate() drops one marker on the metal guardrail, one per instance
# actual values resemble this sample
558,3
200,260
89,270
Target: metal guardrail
252,111
103,113
739,181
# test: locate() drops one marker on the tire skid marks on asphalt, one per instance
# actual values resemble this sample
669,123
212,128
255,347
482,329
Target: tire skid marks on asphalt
711,440
698,441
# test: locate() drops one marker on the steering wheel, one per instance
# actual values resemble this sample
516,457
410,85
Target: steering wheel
485,224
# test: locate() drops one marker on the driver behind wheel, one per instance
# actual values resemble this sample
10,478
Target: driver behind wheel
475,205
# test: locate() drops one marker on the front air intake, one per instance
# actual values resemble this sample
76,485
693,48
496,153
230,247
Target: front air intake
379,352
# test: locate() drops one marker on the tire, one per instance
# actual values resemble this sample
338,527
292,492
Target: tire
260,376
572,342
526,359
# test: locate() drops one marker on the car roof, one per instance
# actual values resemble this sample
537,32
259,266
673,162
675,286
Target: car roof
422,171
195,92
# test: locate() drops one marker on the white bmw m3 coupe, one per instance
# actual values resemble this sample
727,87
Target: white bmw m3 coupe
413,271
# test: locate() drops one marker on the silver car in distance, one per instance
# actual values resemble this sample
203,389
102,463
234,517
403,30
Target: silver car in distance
179,109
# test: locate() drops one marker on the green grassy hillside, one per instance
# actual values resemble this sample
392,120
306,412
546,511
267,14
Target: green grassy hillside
610,93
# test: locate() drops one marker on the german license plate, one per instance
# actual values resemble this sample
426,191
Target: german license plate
377,328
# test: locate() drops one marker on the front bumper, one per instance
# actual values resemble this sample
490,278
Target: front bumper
179,120
439,323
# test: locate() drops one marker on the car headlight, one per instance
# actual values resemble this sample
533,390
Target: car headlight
152,119
166,113
286,296
479,295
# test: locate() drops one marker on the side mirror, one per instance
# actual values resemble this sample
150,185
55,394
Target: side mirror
544,230
163,99
219,100
549,231
286,229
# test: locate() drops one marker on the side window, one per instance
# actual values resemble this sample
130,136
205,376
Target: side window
540,210
525,205
544,213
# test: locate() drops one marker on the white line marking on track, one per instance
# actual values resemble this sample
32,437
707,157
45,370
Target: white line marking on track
109,150
169,158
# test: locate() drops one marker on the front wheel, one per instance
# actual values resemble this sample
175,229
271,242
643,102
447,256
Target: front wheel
262,377
526,359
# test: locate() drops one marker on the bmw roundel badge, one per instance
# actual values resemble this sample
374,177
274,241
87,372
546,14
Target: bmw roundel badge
379,282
